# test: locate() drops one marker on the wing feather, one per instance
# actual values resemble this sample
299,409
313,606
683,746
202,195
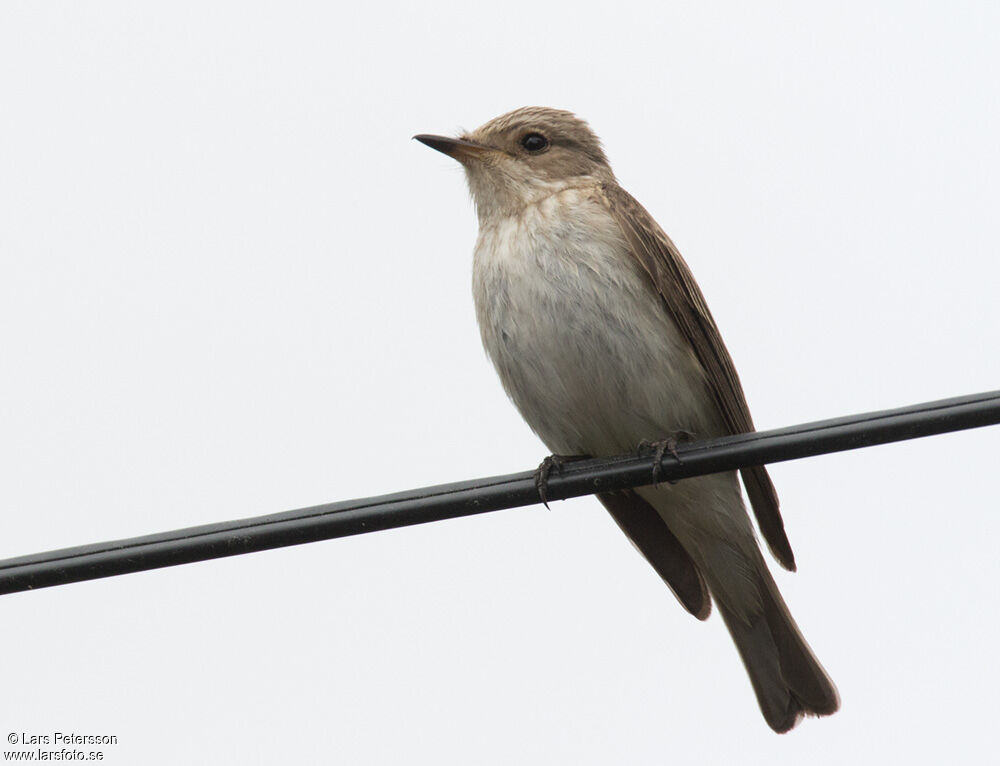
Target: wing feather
652,537
682,298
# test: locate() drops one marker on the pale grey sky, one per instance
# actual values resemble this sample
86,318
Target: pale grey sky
231,284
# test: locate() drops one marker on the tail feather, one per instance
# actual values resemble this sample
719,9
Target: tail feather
707,518
787,678
808,682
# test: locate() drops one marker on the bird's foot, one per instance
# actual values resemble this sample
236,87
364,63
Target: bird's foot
545,469
662,447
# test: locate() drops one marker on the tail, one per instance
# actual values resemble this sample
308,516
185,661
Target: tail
707,517
787,678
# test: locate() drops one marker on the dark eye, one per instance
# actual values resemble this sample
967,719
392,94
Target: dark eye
535,142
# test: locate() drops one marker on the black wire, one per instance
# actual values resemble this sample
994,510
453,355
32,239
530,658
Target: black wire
448,501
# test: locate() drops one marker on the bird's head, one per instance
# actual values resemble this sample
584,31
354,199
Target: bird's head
520,157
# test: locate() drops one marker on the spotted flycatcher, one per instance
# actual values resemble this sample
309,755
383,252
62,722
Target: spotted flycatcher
603,340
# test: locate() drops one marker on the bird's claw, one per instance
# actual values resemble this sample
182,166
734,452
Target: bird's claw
662,447
545,469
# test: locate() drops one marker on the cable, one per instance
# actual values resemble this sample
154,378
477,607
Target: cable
448,501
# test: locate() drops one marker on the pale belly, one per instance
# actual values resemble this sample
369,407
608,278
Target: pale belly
579,338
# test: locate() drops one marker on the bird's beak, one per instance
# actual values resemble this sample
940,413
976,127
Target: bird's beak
458,148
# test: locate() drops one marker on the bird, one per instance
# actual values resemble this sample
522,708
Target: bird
603,340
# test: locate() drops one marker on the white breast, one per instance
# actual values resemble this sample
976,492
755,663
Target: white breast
579,337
